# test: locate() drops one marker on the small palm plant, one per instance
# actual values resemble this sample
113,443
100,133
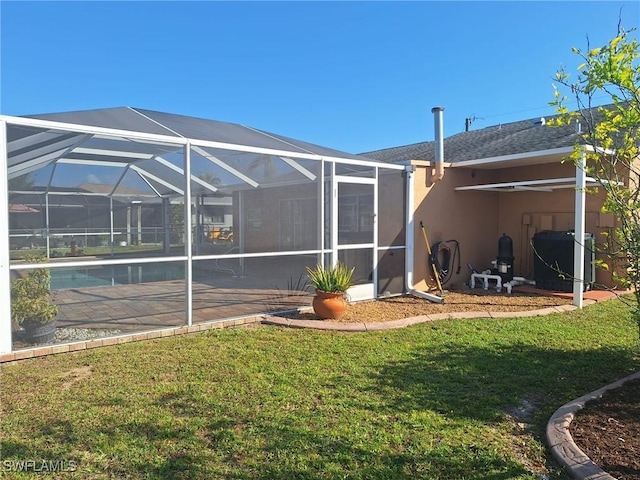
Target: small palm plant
332,279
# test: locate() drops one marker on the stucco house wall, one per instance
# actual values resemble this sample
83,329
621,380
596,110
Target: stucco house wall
524,151
523,214
470,217
477,219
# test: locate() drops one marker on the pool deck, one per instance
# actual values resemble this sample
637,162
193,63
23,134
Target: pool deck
153,305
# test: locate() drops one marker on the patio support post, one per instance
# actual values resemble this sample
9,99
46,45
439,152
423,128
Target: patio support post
129,224
321,213
409,227
139,225
111,239
333,217
166,223
199,229
579,236
46,220
188,235
239,232
376,237
5,278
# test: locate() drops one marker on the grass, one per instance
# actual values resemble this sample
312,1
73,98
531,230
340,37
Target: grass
429,401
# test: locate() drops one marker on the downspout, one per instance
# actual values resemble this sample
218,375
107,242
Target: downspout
409,240
438,172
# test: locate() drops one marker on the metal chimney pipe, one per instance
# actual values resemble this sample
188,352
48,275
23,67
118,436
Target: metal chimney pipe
439,142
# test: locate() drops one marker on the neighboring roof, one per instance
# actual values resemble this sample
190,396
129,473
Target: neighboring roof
107,189
20,208
497,141
169,124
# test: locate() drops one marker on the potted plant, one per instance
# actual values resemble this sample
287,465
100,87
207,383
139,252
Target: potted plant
331,284
31,305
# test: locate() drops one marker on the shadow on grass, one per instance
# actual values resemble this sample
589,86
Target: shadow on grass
249,447
480,382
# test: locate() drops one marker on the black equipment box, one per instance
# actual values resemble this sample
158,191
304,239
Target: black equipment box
553,260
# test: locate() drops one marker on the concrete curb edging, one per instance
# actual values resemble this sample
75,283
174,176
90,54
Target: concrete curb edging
561,443
405,322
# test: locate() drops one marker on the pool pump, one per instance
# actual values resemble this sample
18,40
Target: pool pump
504,261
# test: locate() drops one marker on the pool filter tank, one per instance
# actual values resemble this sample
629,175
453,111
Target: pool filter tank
504,262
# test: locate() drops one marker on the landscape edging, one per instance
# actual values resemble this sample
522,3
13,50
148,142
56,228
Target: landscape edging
405,322
561,443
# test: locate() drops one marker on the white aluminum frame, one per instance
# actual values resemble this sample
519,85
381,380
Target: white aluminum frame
187,145
367,290
5,274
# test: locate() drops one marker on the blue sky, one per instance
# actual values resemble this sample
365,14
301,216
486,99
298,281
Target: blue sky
356,76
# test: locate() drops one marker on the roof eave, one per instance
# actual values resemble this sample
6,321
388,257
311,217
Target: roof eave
517,160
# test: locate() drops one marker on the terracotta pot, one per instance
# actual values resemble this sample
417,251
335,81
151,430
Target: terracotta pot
329,305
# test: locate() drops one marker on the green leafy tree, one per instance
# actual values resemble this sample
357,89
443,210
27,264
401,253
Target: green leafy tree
609,143
210,178
176,220
21,183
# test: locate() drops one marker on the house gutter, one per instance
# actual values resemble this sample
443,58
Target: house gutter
409,240
498,162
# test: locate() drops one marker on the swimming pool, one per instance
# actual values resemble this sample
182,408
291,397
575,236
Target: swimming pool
111,275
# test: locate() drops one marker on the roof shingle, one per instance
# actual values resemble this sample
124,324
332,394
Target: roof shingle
496,141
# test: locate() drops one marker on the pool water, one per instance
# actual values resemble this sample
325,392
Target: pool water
65,278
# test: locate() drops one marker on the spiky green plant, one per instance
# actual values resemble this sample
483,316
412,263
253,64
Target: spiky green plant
333,279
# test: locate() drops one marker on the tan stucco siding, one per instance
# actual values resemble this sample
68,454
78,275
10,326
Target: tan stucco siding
477,219
523,214
466,216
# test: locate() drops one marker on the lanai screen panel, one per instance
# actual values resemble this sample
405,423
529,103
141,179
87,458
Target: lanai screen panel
91,191
98,209
123,229
391,232
256,233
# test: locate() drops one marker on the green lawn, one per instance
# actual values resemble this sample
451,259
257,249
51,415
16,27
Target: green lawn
429,401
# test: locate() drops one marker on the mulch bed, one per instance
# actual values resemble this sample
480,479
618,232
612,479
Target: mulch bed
607,430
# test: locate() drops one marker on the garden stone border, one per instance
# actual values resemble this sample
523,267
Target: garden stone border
561,443
283,321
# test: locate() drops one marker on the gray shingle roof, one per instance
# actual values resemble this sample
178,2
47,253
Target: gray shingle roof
496,141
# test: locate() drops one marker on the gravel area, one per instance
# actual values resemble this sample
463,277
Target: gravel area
79,334
462,300
67,335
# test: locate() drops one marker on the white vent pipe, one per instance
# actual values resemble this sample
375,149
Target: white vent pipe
439,142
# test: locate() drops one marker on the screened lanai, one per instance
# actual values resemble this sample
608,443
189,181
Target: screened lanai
101,199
